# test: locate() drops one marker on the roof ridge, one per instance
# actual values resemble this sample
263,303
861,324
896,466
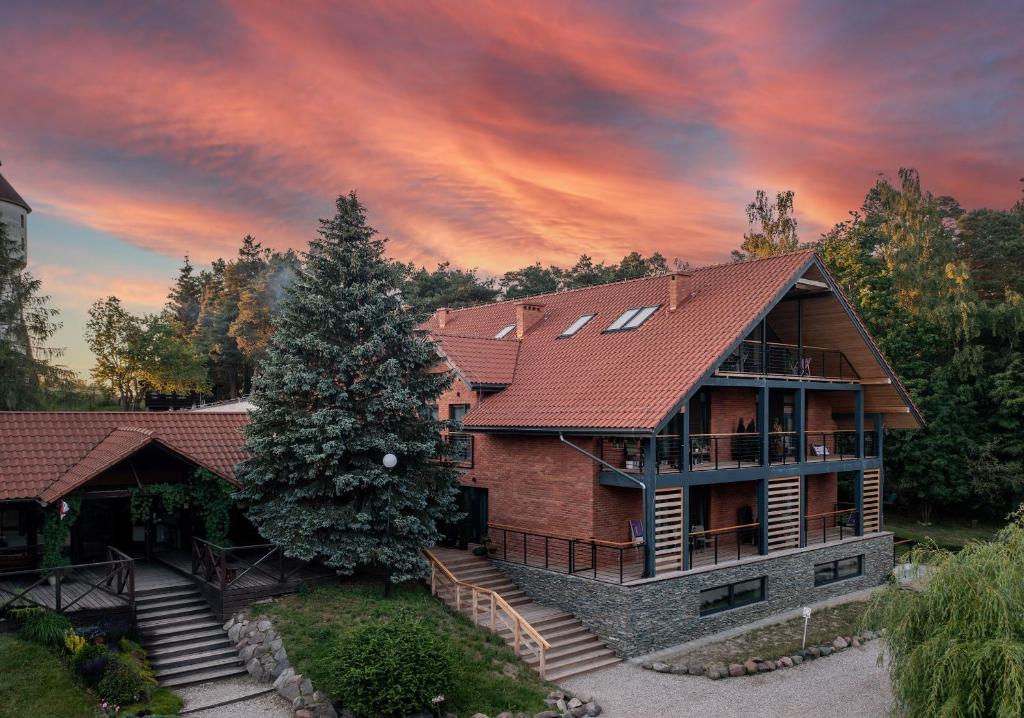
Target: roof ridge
804,250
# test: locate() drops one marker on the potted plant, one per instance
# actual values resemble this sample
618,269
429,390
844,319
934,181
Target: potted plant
486,547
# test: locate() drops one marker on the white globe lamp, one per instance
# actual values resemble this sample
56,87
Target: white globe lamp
390,461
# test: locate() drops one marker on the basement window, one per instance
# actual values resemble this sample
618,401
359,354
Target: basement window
632,318
844,568
733,595
505,330
577,325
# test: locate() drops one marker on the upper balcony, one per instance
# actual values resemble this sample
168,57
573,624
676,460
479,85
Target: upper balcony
760,358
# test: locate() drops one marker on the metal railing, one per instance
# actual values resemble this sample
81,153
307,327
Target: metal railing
724,451
495,611
224,566
65,589
713,546
870,444
459,449
830,526
776,359
628,454
831,445
606,561
782,447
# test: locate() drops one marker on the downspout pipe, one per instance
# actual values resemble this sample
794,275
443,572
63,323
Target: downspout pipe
602,462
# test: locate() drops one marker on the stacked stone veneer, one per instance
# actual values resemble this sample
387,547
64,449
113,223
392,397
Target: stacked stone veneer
654,614
263,653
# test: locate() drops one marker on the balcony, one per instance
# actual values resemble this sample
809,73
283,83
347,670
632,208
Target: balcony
459,450
788,360
713,452
628,454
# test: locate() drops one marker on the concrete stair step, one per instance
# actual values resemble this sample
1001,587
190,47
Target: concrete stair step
205,617
567,660
202,677
151,594
172,602
196,656
210,664
183,637
160,614
180,628
560,673
188,647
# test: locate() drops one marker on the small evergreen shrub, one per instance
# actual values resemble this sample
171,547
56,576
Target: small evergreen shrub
121,682
45,628
89,662
114,630
388,667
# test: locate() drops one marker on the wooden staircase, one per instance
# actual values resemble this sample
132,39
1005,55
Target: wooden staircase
570,648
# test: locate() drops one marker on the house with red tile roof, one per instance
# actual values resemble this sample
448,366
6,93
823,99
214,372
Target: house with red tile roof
713,437
102,457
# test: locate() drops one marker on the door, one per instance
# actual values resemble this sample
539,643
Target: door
473,526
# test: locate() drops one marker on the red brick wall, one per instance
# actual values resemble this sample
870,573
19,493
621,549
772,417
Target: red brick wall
819,411
728,406
726,499
821,493
458,393
614,508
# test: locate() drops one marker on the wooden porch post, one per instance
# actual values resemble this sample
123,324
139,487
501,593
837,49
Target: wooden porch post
650,478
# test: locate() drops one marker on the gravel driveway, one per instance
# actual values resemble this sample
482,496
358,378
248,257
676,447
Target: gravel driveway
850,683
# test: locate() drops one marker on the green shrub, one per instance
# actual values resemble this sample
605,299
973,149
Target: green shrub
163,702
45,628
121,682
390,666
90,662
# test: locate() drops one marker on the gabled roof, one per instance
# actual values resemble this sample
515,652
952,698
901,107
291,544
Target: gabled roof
618,381
9,194
45,455
481,361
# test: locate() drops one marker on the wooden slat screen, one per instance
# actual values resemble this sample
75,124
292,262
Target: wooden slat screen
668,529
872,501
783,513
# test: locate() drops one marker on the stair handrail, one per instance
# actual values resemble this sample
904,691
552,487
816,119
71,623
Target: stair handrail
520,623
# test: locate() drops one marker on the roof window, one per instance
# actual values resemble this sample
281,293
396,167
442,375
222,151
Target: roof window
504,331
577,325
632,318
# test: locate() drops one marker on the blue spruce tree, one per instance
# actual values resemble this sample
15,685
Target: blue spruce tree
347,379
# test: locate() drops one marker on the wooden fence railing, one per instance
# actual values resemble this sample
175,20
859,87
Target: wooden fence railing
483,603
66,589
226,566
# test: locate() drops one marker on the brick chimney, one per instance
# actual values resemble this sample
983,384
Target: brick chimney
442,316
527,314
680,288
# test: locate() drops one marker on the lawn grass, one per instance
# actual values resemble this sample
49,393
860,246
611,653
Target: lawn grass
489,678
34,683
946,533
779,639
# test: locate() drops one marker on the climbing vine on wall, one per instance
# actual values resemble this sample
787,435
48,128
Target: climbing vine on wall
204,491
57,530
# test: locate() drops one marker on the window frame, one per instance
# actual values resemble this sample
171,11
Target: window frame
731,604
505,331
584,318
626,318
451,412
835,570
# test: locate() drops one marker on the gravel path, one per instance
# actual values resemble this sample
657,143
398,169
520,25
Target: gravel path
848,684
260,705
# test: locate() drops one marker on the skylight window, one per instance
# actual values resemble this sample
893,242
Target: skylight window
577,325
632,318
505,331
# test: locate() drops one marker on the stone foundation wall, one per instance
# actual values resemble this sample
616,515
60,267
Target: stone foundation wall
659,613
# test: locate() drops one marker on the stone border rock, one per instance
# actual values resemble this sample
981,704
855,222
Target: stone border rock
262,651
561,704
754,664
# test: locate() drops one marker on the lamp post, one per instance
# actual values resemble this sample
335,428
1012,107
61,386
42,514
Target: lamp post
390,461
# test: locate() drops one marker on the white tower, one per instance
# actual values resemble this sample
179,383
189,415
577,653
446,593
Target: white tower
14,214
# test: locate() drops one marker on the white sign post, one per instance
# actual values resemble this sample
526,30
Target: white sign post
807,618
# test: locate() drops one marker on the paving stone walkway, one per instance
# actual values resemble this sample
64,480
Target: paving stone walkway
248,700
848,684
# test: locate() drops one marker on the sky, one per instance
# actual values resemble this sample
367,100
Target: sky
488,134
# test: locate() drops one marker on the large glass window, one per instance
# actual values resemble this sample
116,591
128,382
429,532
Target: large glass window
505,331
632,318
13,528
457,412
733,595
840,570
576,325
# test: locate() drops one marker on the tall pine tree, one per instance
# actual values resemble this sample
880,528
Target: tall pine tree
346,381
